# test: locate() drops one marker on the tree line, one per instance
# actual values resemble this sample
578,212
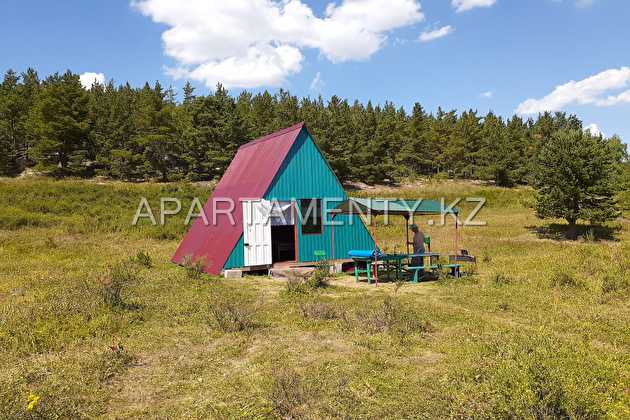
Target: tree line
56,126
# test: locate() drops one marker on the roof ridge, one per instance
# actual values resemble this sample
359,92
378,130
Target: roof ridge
273,135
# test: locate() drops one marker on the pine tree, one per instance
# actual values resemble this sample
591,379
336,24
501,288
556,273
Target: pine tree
12,124
416,154
287,111
143,133
31,86
61,122
337,141
189,93
263,114
496,161
576,177
120,156
155,132
448,153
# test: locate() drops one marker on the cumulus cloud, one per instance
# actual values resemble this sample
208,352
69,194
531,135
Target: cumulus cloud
589,91
594,129
428,36
488,94
88,79
249,43
317,84
465,5
612,100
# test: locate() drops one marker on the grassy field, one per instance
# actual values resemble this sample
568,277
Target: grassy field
96,322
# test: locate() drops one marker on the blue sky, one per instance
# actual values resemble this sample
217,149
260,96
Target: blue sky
500,55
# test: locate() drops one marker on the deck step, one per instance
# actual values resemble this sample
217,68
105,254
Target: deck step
283,273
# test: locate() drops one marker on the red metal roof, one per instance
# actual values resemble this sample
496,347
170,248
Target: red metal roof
249,175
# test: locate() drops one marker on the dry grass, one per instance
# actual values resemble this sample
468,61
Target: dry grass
540,331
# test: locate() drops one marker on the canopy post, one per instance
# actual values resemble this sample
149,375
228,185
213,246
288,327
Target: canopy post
375,249
332,229
456,236
407,230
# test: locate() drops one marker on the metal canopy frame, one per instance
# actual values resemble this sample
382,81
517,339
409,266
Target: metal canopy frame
404,208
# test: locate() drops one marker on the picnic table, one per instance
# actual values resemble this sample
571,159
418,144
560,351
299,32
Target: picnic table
397,265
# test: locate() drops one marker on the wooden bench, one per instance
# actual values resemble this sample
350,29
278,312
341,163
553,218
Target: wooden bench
455,269
420,268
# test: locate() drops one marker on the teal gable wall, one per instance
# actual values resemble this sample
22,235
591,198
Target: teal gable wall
237,256
306,174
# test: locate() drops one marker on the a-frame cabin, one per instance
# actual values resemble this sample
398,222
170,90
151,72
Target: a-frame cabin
286,169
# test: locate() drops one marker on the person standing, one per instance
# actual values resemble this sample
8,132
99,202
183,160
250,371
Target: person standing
418,245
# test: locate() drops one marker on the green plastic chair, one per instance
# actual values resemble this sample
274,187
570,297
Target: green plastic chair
427,242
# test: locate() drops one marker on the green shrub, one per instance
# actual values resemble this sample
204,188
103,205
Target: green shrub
295,285
143,259
121,276
320,277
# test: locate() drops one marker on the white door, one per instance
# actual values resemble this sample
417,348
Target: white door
257,232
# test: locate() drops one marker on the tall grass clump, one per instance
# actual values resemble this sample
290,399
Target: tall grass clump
121,277
500,279
321,311
13,219
288,394
565,280
143,259
232,313
194,268
112,361
615,283
389,316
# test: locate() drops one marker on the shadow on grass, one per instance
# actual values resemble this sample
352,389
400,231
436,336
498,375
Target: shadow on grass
559,232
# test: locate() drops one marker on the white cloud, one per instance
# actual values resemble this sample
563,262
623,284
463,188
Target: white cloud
428,36
589,91
613,100
465,5
88,79
249,43
579,3
594,129
488,94
317,84
584,3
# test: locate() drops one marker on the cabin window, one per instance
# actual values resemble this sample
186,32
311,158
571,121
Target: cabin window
311,210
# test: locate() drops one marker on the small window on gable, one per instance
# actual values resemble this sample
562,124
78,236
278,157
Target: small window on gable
311,210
